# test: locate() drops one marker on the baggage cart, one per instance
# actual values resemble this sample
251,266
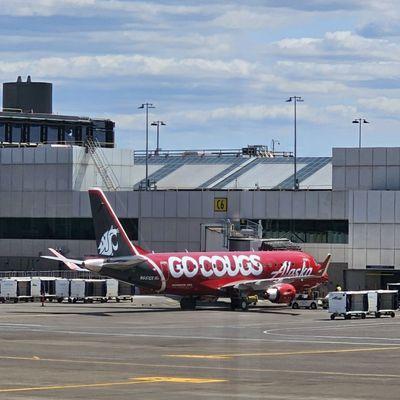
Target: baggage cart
382,302
394,286
44,287
62,288
16,289
88,290
348,304
111,289
126,291
8,290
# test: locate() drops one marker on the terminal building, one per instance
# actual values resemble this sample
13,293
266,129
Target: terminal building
347,204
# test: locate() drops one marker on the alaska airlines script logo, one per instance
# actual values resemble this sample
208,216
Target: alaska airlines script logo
107,246
288,270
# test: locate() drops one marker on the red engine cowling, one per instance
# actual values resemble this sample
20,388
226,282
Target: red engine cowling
281,293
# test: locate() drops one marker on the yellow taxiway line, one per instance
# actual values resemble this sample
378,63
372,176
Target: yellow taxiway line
209,367
281,353
133,381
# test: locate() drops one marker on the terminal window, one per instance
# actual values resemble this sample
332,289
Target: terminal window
2,132
52,134
307,230
34,133
57,228
16,133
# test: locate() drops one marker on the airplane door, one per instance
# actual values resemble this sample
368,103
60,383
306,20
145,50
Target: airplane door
165,269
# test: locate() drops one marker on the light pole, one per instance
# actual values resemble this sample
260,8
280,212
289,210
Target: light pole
157,124
274,141
295,99
360,121
147,106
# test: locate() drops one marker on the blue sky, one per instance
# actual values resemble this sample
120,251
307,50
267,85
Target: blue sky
218,72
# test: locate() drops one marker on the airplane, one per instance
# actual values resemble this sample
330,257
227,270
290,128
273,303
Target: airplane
193,276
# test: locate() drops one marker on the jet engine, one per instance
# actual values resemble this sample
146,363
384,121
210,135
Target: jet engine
280,293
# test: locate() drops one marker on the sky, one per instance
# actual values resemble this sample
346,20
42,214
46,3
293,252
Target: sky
217,72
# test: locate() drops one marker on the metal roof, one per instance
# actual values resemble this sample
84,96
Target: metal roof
236,172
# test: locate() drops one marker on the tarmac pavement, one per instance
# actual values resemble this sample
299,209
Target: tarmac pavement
150,349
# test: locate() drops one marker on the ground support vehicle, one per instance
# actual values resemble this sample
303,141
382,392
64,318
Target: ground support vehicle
348,304
382,302
303,300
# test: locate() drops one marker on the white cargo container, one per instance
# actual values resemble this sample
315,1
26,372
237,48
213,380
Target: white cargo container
88,290
47,287
382,302
16,289
111,289
394,286
125,291
62,289
8,289
348,304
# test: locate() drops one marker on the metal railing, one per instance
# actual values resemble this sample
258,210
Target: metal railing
52,273
210,152
103,166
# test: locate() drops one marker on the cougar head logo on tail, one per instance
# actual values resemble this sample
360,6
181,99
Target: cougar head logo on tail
106,246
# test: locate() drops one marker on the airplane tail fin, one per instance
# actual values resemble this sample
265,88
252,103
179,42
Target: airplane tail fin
111,238
325,266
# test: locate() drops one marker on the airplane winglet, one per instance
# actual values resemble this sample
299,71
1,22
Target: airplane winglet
325,264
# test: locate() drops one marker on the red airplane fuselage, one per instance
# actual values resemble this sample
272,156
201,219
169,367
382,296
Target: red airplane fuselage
211,273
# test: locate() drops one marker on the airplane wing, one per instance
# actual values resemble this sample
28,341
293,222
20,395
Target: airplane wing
70,263
262,284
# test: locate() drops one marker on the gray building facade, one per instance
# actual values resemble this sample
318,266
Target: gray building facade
355,213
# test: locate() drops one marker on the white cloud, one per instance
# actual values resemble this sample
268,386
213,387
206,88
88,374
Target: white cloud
247,18
125,65
46,8
337,44
389,107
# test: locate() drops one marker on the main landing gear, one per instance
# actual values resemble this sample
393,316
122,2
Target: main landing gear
188,303
243,302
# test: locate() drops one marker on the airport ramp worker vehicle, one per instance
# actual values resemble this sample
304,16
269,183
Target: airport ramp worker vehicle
303,300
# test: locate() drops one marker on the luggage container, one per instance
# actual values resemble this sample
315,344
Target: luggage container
8,290
111,289
44,287
16,289
382,302
88,290
348,304
62,288
394,286
24,289
125,291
